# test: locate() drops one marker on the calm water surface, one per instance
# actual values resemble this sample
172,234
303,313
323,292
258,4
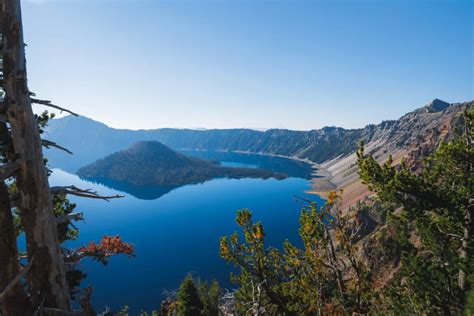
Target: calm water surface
179,231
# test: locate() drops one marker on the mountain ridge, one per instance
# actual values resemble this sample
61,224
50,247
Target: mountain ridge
90,140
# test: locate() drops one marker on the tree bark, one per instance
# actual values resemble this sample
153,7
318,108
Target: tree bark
16,301
465,246
46,280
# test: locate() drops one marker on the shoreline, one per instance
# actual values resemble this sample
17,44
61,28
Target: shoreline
320,177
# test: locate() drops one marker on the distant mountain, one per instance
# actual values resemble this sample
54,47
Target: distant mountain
91,140
150,163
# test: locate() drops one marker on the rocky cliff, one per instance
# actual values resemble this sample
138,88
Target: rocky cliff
411,137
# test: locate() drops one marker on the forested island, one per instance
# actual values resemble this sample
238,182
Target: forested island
149,163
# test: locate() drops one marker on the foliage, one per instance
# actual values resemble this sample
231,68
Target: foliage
209,295
43,120
436,212
62,207
323,277
189,302
427,234
108,246
193,298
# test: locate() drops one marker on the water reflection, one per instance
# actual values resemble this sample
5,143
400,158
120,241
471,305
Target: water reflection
138,191
288,167
291,168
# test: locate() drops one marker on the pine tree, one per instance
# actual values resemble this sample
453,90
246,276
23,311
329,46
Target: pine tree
189,303
428,230
437,208
209,296
325,277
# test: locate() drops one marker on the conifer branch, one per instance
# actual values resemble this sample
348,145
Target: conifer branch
70,217
48,143
49,104
87,193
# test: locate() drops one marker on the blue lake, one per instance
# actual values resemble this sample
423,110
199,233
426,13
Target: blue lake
177,231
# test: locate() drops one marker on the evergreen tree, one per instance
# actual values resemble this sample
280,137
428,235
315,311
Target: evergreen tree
436,208
428,230
189,303
209,295
325,277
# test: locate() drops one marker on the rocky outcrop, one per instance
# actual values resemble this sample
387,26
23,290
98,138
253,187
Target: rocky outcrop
411,137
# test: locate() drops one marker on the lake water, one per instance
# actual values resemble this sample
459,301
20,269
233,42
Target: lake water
176,231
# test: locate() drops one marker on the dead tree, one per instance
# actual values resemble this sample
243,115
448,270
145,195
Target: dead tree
46,280
23,166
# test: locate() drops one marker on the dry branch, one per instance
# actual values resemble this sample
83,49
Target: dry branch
86,304
48,143
48,103
87,193
70,217
17,279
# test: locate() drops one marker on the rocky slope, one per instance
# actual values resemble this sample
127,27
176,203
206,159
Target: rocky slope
411,137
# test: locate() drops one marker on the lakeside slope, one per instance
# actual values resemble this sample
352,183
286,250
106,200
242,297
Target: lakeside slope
413,136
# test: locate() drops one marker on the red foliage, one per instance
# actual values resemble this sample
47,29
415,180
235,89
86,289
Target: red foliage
108,246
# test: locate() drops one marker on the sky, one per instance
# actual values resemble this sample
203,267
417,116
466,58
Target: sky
302,65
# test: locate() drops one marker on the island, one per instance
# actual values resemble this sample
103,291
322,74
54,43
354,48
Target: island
150,163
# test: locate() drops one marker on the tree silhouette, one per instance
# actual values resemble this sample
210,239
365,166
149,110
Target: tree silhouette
189,303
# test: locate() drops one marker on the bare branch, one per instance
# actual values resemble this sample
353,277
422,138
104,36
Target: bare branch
449,234
48,143
87,193
70,217
85,302
48,103
17,279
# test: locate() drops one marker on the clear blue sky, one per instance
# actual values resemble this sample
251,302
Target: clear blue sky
259,64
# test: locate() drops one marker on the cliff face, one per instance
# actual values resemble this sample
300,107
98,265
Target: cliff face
411,137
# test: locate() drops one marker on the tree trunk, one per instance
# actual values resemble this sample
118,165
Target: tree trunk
47,280
16,302
465,246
